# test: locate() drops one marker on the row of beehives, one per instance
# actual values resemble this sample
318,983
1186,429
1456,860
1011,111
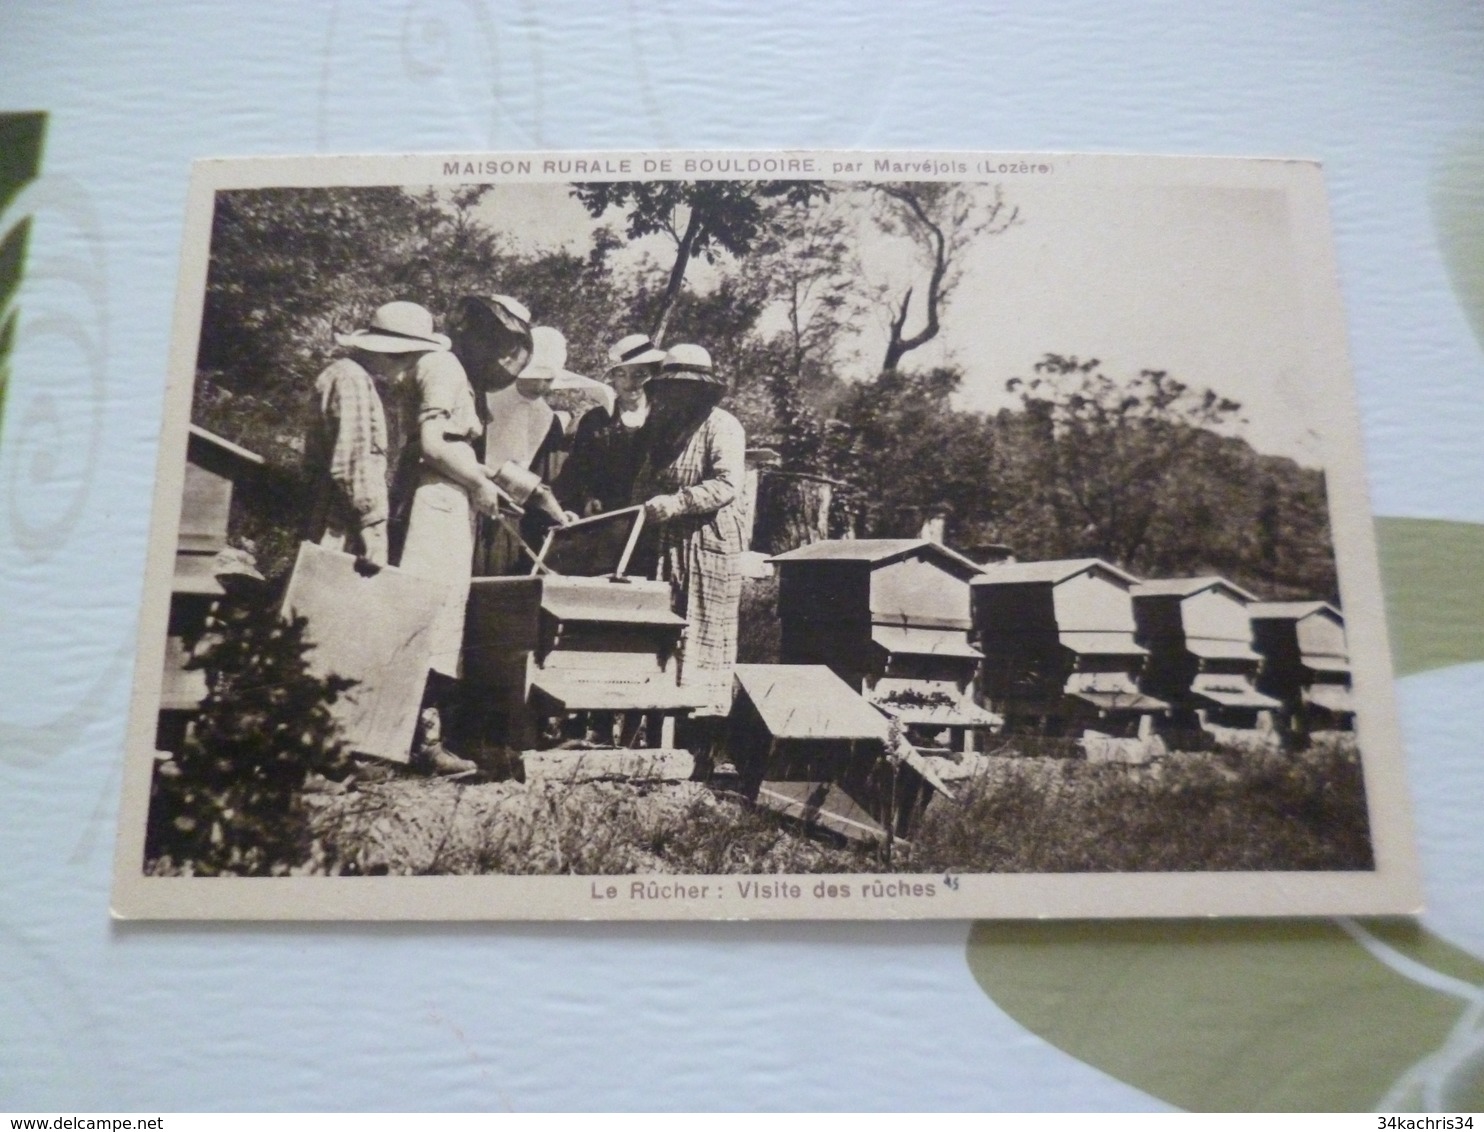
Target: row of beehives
1060,648
939,640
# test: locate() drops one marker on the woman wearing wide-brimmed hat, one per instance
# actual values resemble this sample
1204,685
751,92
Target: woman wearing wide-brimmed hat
492,340
522,436
442,487
606,451
346,449
689,484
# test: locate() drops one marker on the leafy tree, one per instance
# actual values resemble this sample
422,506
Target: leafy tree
291,266
809,270
1113,453
1137,471
702,218
907,453
1260,520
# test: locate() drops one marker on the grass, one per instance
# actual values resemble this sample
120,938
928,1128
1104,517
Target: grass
1212,811
1208,812
410,826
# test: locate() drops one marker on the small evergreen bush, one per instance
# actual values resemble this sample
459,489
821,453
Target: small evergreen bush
228,802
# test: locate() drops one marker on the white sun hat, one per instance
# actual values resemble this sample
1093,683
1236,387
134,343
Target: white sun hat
634,350
397,328
549,363
688,362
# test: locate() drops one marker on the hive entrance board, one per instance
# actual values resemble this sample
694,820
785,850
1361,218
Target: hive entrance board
375,630
598,546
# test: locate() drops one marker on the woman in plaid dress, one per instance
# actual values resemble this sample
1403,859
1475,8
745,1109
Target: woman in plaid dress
689,484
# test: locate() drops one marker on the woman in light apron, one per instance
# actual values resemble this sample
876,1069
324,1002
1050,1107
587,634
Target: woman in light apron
442,487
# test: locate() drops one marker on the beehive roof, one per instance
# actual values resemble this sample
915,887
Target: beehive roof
872,550
222,444
1055,571
808,701
1291,610
1186,587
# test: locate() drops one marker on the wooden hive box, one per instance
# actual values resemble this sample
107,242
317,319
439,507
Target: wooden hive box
891,618
214,468
1306,663
1059,648
807,746
1199,636
548,646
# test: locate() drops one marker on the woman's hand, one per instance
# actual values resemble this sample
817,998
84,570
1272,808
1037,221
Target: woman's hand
661,509
489,499
374,549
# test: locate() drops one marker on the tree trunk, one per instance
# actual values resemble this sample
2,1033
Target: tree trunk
792,511
899,344
677,275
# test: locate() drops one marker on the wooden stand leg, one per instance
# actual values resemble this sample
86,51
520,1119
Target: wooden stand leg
667,732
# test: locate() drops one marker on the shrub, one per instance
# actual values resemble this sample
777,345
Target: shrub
228,802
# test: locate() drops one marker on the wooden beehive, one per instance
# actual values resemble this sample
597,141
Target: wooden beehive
1306,663
807,746
1059,648
1199,636
890,617
214,468
549,646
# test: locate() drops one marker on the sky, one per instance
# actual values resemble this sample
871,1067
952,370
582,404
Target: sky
1199,280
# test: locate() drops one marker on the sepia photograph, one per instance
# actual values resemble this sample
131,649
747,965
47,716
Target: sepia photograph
815,535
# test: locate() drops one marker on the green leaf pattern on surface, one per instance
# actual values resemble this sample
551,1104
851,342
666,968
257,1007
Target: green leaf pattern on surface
1250,1015
1433,571
20,161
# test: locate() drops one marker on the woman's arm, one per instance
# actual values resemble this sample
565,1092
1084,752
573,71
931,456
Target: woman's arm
726,448
455,459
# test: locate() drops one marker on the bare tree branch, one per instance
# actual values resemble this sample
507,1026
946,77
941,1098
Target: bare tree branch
941,220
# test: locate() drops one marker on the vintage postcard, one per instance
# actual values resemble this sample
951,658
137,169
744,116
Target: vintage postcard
761,535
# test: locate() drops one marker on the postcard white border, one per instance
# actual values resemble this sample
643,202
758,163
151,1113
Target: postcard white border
1393,888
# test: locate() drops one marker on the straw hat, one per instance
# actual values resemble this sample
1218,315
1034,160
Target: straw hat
634,350
549,363
233,561
688,363
397,328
